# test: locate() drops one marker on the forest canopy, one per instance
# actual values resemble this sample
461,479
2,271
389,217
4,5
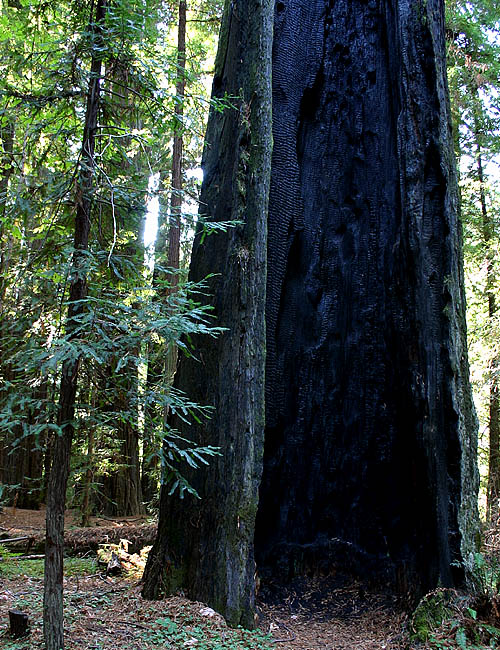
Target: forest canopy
103,112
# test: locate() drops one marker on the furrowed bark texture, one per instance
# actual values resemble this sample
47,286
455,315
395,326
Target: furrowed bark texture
53,627
370,430
206,546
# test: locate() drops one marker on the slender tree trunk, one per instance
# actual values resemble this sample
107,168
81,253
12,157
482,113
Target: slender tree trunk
7,143
149,464
123,487
89,472
210,552
31,481
60,466
493,488
174,233
172,243
176,195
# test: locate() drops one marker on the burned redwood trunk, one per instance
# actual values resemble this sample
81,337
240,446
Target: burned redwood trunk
370,447
369,428
206,546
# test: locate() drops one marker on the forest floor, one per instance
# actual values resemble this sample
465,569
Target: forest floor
104,612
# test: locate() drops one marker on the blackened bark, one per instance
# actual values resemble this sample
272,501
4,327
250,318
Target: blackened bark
370,436
370,433
61,450
206,546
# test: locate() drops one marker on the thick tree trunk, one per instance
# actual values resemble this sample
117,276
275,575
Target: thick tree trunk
370,431
61,450
370,435
209,552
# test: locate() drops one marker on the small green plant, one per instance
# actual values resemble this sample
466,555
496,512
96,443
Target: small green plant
6,554
432,610
15,644
14,566
484,573
169,633
445,618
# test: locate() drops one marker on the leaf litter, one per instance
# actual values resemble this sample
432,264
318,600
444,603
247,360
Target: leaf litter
104,612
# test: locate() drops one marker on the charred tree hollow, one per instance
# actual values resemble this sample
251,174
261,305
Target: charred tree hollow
366,404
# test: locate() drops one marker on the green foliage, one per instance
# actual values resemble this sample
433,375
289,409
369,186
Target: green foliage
444,619
430,613
114,336
485,575
179,635
12,566
473,35
128,320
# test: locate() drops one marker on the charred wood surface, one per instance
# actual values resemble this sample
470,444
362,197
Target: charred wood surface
368,409
369,456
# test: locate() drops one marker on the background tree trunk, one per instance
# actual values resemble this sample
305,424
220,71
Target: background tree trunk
122,487
493,487
174,231
206,546
60,466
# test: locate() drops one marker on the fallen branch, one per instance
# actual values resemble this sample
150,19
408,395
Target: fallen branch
292,636
13,539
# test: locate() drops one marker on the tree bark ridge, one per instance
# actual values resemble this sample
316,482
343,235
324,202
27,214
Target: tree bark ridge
209,552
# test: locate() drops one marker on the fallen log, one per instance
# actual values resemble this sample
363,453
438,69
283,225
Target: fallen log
81,540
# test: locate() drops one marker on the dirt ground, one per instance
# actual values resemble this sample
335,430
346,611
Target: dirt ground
16,519
332,613
329,613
